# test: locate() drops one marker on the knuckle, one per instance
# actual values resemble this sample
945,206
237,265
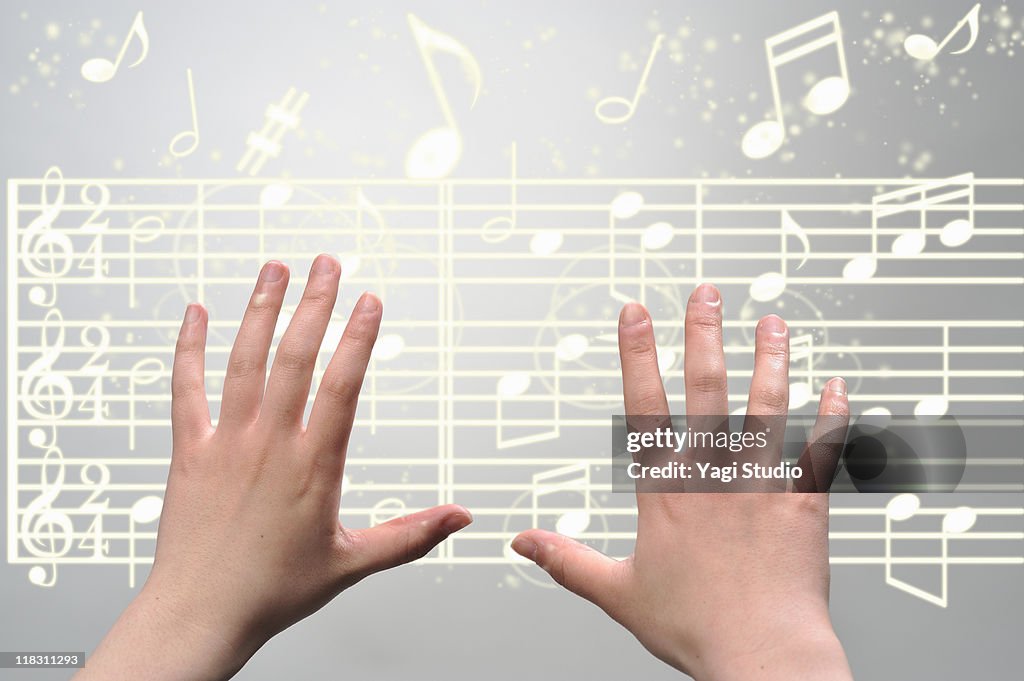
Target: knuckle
243,366
340,390
318,298
707,382
774,397
705,322
648,401
293,359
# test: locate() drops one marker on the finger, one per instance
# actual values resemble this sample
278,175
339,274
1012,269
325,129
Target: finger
820,458
292,373
768,403
642,389
247,366
707,389
334,408
402,540
190,413
577,567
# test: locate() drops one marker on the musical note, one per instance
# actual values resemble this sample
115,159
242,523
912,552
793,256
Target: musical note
144,372
574,478
624,206
512,388
386,509
770,285
143,512
186,135
954,233
922,47
101,69
265,144
826,96
629,105
144,230
499,228
46,253
955,521
435,154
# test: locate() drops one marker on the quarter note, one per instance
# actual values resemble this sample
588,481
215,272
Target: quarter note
187,136
825,97
922,47
628,105
101,69
436,153
143,512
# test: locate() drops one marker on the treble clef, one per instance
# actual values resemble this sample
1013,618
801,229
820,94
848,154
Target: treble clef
46,253
48,395
47,533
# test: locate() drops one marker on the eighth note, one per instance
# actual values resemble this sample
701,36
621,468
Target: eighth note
437,151
922,47
629,106
101,69
827,95
770,285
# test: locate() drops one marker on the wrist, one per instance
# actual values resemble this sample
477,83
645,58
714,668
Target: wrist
810,651
159,638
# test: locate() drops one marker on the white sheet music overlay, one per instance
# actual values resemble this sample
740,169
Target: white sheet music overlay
495,351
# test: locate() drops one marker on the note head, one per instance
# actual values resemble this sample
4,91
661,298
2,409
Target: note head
860,268
572,347
601,108
388,347
827,95
434,155
920,47
959,520
147,509
931,407
911,243
763,139
799,395
573,523
98,70
768,286
902,506
956,233
546,243
657,236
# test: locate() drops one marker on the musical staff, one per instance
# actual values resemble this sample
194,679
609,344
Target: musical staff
491,360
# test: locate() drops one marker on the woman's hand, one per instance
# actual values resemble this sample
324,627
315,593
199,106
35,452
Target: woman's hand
721,586
249,539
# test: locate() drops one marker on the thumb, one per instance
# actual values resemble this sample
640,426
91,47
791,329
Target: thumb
404,539
579,568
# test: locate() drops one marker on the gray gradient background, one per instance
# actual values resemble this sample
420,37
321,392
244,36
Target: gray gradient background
458,623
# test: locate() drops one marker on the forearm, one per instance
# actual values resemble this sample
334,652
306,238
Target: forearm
154,640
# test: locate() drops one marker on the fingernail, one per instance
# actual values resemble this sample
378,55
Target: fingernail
324,264
837,385
774,325
273,271
525,548
706,293
367,303
457,521
633,314
192,313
